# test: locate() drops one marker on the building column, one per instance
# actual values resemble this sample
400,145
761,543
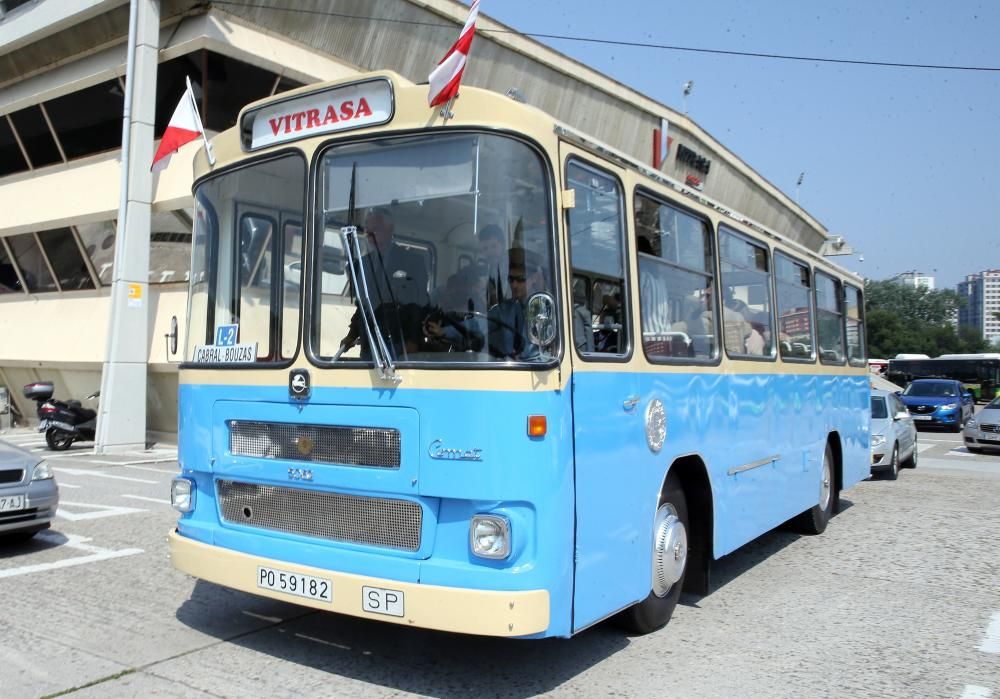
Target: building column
121,424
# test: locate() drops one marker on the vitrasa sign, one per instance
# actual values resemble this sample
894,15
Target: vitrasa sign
338,109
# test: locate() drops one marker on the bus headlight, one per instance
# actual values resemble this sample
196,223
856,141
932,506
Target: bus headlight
489,536
182,492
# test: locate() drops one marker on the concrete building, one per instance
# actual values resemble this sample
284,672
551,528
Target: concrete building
981,292
63,90
916,280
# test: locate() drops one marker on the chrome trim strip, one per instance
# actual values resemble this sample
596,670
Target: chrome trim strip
753,464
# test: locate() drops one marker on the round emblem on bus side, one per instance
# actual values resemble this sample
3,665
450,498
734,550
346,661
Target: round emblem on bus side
656,425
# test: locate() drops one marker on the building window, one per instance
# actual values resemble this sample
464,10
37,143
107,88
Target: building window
67,262
88,121
36,137
170,247
11,158
28,257
99,243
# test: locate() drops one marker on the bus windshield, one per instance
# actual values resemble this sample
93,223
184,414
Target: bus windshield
454,234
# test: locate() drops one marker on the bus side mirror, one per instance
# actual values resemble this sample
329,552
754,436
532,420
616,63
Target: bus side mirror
172,337
540,319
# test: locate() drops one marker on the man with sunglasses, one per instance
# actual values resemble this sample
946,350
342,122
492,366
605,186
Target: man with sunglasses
507,337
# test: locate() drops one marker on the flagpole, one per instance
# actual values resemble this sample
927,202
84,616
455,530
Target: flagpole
446,112
208,146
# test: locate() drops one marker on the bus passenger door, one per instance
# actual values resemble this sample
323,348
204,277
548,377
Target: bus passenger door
607,424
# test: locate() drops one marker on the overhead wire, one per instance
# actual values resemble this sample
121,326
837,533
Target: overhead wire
615,42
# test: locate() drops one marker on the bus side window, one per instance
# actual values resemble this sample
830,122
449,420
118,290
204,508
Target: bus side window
597,253
829,319
746,296
854,319
675,261
793,282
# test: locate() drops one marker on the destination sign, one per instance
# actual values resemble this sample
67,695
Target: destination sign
337,109
225,354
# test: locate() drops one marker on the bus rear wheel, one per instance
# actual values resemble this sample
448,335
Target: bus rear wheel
670,556
815,519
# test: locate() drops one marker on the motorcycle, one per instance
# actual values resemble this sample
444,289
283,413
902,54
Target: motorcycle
62,422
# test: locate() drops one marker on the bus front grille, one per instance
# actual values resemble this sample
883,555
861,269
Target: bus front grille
359,520
373,447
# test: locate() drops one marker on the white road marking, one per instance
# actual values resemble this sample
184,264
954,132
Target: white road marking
97,511
160,501
68,485
271,619
100,474
168,471
922,446
972,691
325,643
72,541
991,641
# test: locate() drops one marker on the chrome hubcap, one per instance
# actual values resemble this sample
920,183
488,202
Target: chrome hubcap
669,549
825,488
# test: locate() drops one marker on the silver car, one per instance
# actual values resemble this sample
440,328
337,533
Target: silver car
982,431
893,435
28,493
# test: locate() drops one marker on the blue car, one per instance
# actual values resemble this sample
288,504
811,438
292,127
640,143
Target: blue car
941,402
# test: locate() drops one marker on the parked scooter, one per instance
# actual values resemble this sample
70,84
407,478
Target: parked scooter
62,422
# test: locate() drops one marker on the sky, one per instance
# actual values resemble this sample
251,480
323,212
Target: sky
901,162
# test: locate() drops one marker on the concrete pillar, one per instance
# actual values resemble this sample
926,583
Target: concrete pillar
121,424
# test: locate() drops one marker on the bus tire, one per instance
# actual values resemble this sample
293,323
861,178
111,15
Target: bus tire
814,520
670,557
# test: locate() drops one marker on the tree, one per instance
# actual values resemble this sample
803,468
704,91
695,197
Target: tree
918,320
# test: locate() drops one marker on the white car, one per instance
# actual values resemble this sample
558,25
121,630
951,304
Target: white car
893,435
982,431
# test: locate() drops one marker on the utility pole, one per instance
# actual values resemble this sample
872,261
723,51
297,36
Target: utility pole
121,422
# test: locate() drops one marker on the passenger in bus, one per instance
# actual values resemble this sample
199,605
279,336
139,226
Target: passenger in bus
491,251
756,344
507,336
583,321
459,323
735,328
397,285
653,293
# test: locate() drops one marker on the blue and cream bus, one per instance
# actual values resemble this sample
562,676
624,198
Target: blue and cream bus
484,374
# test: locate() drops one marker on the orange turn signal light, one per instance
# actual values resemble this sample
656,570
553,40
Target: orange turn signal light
537,426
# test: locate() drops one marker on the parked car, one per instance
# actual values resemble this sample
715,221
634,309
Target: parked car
982,432
941,402
28,493
893,435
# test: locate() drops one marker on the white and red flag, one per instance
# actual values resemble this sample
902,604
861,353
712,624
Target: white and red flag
445,78
184,127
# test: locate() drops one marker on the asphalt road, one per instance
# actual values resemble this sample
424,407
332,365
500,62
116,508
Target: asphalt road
899,598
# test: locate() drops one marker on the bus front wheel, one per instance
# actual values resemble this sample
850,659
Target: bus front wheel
670,556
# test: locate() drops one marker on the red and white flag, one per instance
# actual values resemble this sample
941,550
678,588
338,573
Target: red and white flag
184,127
445,78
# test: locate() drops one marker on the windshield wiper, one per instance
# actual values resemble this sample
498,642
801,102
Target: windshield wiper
381,356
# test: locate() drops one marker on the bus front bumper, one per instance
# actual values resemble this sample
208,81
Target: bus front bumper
454,609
